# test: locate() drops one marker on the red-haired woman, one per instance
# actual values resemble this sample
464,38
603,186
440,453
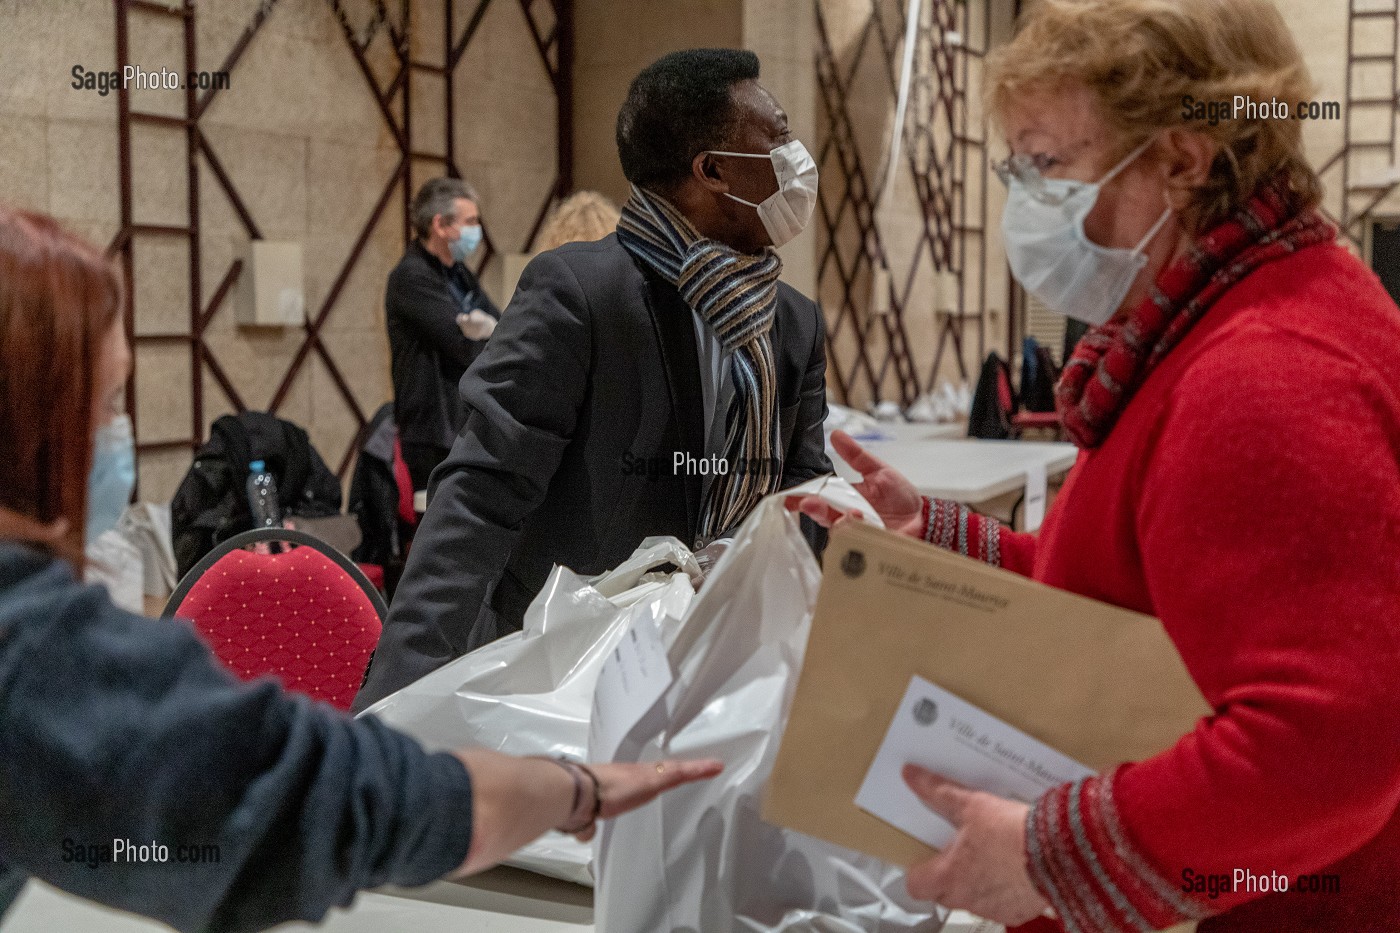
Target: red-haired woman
116,727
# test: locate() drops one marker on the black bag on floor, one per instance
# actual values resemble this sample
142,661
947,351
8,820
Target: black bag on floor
993,401
211,504
374,494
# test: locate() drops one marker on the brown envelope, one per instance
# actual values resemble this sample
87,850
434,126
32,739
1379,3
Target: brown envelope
1099,683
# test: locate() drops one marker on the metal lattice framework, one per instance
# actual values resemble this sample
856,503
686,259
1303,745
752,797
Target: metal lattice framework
1365,109
550,26
944,162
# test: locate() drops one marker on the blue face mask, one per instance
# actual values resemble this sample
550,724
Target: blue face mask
112,478
466,243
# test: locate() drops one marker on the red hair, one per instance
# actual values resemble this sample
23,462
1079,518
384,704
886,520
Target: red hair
59,299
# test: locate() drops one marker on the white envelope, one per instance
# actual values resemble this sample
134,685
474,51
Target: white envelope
941,732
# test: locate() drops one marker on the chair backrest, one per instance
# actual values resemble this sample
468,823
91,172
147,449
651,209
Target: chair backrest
307,616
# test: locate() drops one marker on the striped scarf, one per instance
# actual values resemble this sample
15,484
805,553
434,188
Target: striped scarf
1111,362
735,294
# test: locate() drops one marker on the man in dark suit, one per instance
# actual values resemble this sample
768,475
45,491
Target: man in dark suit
438,319
657,382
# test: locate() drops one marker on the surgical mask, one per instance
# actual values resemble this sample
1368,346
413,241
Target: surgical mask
466,243
112,477
786,211
1049,253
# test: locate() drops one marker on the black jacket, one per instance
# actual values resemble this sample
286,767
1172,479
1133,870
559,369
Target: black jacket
428,349
584,393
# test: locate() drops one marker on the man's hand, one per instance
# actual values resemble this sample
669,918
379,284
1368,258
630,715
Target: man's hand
984,870
477,325
893,497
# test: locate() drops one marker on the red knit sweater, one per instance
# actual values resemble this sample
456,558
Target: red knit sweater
1249,497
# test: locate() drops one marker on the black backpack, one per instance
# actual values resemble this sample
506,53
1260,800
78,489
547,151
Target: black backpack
211,504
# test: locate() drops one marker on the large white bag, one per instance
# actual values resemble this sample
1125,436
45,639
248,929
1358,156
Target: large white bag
699,859
531,693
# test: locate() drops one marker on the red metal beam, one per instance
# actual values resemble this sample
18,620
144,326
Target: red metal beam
221,176
123,239
196,286
236,53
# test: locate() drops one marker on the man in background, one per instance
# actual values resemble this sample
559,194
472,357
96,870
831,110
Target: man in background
438,319
659,381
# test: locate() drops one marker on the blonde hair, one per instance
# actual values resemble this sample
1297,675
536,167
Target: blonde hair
582,217
1142,58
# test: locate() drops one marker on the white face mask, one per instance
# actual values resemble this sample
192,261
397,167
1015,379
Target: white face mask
786,211
1052,258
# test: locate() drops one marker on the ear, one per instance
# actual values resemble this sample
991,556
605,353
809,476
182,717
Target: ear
1186,160
705,171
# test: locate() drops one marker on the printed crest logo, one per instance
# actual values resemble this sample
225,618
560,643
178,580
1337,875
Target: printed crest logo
853,564
925,712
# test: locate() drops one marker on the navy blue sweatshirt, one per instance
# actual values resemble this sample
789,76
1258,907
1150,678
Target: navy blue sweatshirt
118,731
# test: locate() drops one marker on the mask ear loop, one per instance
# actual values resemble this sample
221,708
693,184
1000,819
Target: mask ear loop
1126,161
1166,214
1156,228
746,155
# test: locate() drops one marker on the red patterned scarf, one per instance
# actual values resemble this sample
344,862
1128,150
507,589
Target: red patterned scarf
1111,362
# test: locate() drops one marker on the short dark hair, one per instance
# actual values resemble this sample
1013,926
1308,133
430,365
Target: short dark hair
680,105
437,196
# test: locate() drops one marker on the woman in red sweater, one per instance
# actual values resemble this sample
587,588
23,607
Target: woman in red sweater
1237,409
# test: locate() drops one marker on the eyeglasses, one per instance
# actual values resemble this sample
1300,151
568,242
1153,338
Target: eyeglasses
1029,171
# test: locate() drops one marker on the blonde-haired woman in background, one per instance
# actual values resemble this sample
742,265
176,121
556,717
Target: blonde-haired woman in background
1236,404
582,217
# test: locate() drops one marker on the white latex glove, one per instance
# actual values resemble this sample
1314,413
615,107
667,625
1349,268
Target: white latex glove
478,325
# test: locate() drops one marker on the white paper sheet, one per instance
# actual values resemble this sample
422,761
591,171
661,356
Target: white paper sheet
1035,496
632,680
941,732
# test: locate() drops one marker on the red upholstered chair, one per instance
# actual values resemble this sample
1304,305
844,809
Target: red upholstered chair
307,616
1019,421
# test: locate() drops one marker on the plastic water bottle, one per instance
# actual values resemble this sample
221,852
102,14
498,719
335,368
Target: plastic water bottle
262,496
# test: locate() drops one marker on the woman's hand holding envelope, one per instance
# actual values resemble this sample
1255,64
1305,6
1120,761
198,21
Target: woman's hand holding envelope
893,497
984,870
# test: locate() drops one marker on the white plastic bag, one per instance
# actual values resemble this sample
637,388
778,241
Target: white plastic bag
531,693
147,525
115,563
699,859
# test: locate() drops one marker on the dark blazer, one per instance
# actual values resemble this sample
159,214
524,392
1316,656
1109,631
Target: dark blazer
429,352
586,390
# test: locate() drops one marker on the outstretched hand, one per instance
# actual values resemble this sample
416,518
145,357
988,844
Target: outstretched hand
624,787
893,497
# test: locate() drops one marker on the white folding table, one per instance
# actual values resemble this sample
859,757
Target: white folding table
503,900
964,470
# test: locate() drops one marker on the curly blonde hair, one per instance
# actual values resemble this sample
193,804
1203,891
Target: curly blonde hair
1142,60
581,217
